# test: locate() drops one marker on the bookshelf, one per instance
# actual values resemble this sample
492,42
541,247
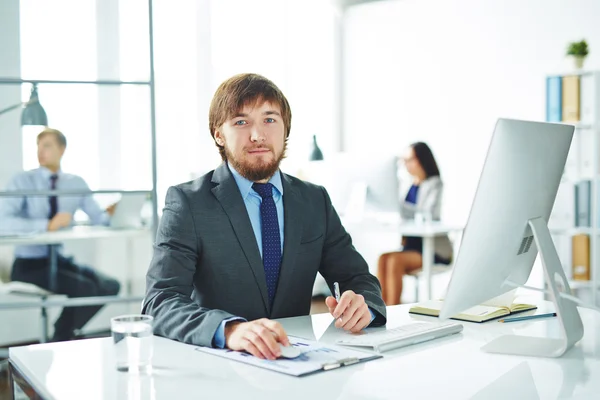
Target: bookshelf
574,98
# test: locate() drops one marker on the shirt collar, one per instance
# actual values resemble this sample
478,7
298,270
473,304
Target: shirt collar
46,173
245,185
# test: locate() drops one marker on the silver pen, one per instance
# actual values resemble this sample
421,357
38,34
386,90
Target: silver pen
336,291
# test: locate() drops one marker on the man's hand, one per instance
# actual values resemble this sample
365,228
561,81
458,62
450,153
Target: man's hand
351,313
60,220
110,210
260,338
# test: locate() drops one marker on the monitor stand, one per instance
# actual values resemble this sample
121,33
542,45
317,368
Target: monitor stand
571,327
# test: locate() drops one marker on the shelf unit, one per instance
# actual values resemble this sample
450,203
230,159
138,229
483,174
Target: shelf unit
582,164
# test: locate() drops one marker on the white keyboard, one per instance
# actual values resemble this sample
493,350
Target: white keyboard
404,335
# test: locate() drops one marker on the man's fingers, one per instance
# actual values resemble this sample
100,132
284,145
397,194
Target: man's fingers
251,348
267,338
262,347
277,329
331,303
364,321
344,302
353,309
351,320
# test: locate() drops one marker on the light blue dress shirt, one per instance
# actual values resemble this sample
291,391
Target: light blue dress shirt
252,201
29,214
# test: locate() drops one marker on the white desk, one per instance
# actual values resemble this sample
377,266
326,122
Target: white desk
427,231
449,368
76,233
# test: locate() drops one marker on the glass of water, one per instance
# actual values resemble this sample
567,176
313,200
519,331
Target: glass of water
132,341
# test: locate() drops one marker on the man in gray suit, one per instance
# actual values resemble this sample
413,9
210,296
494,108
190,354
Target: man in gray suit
243,244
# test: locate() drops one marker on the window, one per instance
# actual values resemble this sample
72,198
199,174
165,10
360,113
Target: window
50,50
197,44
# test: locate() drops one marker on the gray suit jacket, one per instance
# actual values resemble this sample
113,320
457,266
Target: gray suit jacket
429,199
207,266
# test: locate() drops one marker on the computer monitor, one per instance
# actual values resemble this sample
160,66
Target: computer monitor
507,226
357,177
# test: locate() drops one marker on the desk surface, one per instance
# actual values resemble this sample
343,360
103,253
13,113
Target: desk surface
75,233
453,367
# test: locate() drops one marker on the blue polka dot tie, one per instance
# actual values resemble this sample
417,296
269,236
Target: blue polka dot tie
271,240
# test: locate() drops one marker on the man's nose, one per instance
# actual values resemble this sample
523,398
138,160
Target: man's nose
257,135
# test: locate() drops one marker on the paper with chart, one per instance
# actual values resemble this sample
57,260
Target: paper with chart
315,356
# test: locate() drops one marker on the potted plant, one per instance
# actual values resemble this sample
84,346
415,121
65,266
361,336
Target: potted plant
578,51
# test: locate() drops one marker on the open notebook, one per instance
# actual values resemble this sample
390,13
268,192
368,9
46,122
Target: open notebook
494,308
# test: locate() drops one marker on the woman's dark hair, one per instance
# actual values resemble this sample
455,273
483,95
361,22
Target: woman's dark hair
425,157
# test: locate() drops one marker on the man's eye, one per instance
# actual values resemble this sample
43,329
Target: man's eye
270,120
240,122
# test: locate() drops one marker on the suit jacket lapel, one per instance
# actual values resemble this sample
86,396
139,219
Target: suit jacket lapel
292,231
228,194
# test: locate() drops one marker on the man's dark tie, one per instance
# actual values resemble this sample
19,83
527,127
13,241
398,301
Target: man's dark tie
271,240
53,199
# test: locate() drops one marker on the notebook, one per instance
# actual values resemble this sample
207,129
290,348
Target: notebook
494,308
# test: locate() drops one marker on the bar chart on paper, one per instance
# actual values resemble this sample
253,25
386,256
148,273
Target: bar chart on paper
314,357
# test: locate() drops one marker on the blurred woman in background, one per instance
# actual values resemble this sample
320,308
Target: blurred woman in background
423,200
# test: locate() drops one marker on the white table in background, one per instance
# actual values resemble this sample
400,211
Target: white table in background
78,233
453,367
53,239
427,231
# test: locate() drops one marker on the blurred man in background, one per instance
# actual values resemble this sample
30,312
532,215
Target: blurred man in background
35,214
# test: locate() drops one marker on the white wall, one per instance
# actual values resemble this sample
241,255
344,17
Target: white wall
443,71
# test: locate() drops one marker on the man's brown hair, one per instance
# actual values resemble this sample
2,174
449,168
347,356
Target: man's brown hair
242,90
58,135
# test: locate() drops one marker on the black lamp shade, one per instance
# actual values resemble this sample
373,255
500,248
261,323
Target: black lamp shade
316,154
33,113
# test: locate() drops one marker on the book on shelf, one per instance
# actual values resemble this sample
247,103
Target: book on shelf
581,257
582,202
583,210
494,308
554,99
589,87
571,98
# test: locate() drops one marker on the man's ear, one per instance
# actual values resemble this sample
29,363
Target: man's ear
219,138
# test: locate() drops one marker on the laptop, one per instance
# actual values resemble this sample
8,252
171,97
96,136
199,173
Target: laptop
128,211
382,340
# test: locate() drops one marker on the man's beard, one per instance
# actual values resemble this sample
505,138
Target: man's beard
258,171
